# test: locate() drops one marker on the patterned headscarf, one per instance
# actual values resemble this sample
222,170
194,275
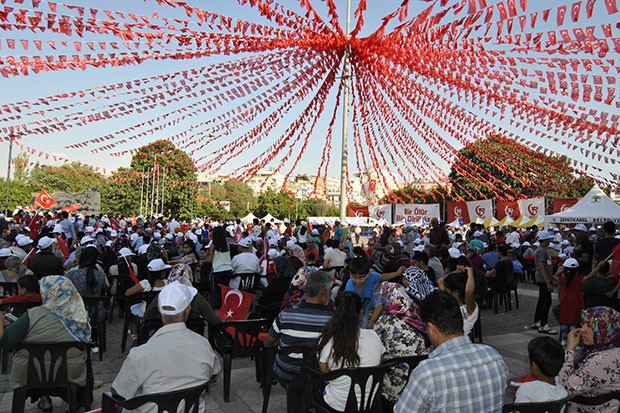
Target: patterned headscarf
181,273
420,286
397,302
296,251
60,297
605,324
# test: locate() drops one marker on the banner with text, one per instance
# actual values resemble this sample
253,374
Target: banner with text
560,204
416,213
381,212
480,210
508,209
457,210
530,208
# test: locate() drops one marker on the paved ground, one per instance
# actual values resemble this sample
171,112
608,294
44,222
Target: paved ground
507,332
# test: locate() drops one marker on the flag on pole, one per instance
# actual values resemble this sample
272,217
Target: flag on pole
132,274
44,200
615,260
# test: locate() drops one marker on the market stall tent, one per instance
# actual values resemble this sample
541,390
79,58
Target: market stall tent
595,207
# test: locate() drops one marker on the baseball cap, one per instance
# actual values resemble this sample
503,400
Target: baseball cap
169,236
175,297
290,243
157,265
571,263
245,243
314,231
454,252
5,252
543,235
125,252
45,242
477,234
526,244
23,240
581,227
86,239
420,248
273,253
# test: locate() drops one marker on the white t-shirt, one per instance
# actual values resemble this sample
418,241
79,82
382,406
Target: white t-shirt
468,320
370,350
539,391
244,263
335,258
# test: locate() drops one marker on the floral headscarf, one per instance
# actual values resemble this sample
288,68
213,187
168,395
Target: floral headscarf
397,302
605,324
297,252
181,273
61,298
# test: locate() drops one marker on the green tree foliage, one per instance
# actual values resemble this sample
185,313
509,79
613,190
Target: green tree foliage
20,194
73,177
174,173
501,168
20,167
119,195
415,195
279,204
237,193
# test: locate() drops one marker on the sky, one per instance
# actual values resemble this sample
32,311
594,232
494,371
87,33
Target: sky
32,87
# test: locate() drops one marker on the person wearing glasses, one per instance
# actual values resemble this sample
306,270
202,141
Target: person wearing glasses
363,281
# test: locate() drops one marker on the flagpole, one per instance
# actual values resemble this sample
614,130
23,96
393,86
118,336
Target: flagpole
141,190
8,176
345,118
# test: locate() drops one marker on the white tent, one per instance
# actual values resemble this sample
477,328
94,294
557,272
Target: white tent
595,207
248,218
271,218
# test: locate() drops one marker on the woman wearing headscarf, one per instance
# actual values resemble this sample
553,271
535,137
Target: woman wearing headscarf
61,318
402,333
595,369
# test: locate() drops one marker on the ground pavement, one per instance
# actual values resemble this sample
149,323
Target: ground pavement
506,332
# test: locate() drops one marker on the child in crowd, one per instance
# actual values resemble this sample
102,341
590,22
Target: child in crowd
570,296
546,359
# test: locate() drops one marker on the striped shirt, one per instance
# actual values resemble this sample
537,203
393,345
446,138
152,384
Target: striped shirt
458,376
299,326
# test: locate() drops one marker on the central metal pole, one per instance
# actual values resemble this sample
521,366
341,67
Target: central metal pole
345,118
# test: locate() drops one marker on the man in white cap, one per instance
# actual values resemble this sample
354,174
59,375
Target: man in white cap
45,262
245,262
583,250
544,274
174,358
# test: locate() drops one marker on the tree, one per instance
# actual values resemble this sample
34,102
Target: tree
20,194
499,167
279,204
239,195
120,193
171,176
20,167
73,177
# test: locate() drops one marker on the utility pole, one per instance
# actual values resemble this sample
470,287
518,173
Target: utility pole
345,118
8,176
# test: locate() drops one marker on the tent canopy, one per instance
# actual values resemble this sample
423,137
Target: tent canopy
271,218
248,218
594,207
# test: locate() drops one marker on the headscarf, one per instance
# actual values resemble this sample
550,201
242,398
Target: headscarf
605,324
298,252
397,302
181,273
62,299
284,267
420,286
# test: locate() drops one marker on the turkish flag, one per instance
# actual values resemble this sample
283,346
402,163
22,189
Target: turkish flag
508,209
235,304
560,204
63,245
457,210
44,200
615,263
114,224
357,211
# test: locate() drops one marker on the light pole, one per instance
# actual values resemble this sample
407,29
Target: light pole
345,118
8,176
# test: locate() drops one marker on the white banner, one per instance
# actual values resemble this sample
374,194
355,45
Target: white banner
379,212
416,213
480,210
532,207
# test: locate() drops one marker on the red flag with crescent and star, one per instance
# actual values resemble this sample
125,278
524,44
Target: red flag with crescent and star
235,304
44,200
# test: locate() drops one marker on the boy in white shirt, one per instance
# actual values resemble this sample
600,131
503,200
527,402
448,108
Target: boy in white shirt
546,359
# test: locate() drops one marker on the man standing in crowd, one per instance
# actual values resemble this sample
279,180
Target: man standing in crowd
544,272
438,234
458,376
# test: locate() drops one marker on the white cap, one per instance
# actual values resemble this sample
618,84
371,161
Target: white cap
89,230
457,244
86,239
198,232
157,265
592,228
45,242
245,243
290,243
515,245
454,252
273,253
113,233
23,240
125,252
175,297
566,229
571,263
314,231
5,252
399,242
581,227
169,236
526,244
565,242
536,244
287,221
273,242
420,248
108,243
543,235
478,234
157,235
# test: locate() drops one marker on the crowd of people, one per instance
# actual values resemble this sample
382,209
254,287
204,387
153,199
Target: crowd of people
360,297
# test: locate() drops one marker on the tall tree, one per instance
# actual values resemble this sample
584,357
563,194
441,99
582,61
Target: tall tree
121,192
171,176
20,166
73,177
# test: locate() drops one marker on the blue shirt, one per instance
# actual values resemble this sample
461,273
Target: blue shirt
369,286
458,376
490,259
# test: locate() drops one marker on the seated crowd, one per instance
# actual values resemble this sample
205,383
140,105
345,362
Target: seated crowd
407,292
